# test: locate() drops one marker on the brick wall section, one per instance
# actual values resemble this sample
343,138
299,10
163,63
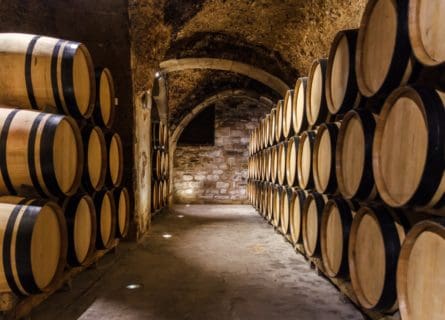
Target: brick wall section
218,174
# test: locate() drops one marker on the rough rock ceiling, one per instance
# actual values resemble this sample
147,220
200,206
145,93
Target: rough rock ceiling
189,88
282,37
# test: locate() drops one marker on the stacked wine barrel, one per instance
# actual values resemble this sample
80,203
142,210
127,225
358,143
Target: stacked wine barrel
363,143
160,167
61,163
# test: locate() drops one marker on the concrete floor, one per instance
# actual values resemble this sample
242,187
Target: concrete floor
221,262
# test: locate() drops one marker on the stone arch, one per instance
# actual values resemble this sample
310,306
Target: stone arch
174,137
248,70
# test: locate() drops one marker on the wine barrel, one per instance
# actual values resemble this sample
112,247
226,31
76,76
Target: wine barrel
160,192
426,31
304,160
104,111
383,49
269,162
409,148
341,84
263,198
115,159
39,152
374,245
272,126
106,219
420,272
265,131
317,109
312,215
277,195
255,140
287,114
323,165
286,195
270,202
334,237
156,163
80,215
46,74
296,215
299,115
274,165
166,163
123,208
279,121
282,151
353,156
34,242
96,162
291,161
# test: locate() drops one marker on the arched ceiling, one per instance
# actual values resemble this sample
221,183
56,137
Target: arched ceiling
281,37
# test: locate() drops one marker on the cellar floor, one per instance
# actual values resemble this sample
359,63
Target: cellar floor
221,262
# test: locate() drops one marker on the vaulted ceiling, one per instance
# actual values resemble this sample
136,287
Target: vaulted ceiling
280,37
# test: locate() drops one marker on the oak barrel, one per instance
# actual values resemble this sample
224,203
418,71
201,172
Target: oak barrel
34,245
115,159
279,121
80,215
277,195
420,272
312,214
317,109
323,165
291,161
286,195
334,237
265,131
304,160
46,74
375,239
353,156
287,114
272,126
426,31
106,218
268,164
341,84
296,215
39,152
104,110
299,116
274,165
383,49
282,152
270,202
409,148
96,162
123,208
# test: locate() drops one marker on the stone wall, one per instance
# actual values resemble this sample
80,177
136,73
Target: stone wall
218,174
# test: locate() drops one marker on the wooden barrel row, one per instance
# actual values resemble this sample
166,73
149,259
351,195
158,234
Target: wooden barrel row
103,158
39,239
358,156
160,163
159,198
160,134
54,75
363,244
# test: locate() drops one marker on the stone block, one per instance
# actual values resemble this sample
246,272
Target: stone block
221,184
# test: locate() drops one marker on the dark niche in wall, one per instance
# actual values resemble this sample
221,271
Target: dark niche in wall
201,130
